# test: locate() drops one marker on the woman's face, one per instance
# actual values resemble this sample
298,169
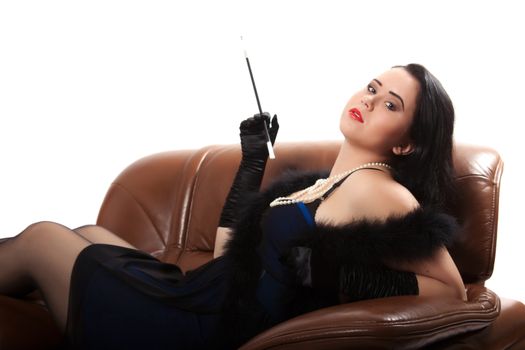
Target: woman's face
378,117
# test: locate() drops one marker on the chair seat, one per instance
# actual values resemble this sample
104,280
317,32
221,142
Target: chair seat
169,204
406,322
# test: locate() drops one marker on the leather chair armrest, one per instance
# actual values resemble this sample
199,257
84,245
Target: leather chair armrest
406,322
506,332
27,325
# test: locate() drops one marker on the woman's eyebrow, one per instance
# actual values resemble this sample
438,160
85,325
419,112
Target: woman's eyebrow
392,93
400,99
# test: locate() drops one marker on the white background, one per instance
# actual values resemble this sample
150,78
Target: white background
87,87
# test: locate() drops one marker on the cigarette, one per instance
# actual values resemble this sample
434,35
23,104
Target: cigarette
268,140
270,150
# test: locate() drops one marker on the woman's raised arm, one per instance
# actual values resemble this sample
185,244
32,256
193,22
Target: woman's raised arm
249,174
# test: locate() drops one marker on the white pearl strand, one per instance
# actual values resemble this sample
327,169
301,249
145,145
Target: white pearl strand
320,187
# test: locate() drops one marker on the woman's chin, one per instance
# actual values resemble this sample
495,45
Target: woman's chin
347,132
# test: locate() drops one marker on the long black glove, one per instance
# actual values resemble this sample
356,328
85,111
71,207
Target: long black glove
251,169
357,282
350,282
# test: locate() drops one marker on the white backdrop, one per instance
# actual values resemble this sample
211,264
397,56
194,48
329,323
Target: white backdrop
86,88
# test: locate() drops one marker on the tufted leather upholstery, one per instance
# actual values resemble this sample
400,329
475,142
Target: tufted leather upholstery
180,228
169,204
177,223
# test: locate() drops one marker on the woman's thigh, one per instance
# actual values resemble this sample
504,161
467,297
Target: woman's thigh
98,234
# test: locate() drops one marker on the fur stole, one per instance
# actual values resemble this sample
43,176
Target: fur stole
412,237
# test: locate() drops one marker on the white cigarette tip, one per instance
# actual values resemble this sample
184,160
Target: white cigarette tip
270,150
244,48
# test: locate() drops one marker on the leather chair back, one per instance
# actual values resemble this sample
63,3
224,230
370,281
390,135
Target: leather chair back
169,204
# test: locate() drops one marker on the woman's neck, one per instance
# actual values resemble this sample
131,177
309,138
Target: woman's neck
350,157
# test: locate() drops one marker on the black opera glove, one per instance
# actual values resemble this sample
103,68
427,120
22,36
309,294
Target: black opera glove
251,169
366,282
350,281
253,136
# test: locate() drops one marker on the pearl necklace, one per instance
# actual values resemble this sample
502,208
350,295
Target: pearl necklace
320,187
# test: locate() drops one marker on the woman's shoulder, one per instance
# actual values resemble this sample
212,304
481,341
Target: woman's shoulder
366,195
379,197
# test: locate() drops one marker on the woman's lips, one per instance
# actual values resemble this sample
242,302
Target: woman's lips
356,114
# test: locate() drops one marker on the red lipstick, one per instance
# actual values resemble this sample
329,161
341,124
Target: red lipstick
356,114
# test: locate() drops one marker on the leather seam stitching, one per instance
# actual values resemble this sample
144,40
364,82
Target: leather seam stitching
157,231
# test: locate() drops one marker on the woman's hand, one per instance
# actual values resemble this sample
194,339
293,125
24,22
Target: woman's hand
253,135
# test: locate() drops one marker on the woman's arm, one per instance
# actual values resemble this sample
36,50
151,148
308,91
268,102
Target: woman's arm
355,282
362,282
437,275
249,174
432,287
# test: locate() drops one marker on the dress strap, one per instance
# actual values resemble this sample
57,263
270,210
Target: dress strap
338,183
312,206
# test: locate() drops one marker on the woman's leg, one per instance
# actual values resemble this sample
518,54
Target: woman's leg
98,234
42,257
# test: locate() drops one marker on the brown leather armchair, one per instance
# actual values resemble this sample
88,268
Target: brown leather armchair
168,204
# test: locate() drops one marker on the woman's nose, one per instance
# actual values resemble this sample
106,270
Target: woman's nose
368,102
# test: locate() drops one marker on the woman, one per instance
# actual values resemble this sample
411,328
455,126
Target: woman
373,228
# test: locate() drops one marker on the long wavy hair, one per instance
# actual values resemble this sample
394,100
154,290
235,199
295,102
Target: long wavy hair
428,171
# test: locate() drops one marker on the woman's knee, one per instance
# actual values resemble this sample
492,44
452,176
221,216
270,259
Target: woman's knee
41,227
40,232
83,230
42,242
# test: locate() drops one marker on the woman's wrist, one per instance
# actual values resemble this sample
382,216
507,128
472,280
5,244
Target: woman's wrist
222,236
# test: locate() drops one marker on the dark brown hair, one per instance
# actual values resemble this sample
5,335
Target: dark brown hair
428,171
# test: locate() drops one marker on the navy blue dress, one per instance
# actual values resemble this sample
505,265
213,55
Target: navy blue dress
126,299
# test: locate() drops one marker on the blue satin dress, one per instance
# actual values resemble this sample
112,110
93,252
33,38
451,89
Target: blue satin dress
277,290
126,299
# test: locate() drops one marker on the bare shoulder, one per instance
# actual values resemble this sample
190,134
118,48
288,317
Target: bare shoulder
379,197
367,194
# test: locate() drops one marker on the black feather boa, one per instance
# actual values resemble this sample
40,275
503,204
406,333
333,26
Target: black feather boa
412,237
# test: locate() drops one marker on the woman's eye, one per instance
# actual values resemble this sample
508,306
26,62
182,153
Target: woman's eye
390,106
371,89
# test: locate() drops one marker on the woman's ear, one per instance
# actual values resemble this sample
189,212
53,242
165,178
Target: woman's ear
403,150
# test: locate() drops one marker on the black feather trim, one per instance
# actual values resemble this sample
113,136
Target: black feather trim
414,236
240,250
243,317
411,237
